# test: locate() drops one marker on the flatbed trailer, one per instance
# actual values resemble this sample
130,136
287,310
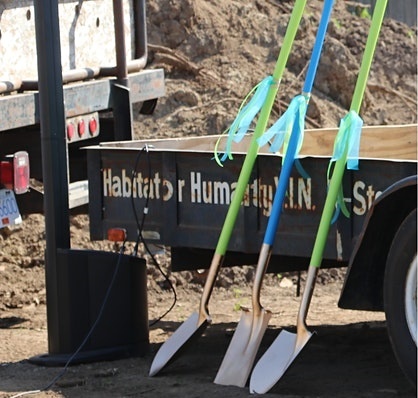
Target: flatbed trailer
190,194
186,195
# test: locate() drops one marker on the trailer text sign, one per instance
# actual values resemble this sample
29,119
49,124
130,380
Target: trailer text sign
199,190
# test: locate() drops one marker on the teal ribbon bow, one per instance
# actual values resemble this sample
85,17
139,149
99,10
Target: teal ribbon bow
282,128
279,133
347,143
348,134
246,115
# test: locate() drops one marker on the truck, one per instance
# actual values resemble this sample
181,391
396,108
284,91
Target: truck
103,78
186,195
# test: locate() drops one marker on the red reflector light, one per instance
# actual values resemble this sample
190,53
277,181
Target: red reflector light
21,172
70,131
116,234
81,128
6,174
92,126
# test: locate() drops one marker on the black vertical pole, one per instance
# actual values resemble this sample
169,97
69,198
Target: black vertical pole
54,154
121,104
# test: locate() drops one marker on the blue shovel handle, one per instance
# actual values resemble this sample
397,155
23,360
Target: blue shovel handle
279,196
290,155
319,41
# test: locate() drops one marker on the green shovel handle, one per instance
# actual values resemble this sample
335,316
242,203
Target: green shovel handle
251,155
338,172
378,14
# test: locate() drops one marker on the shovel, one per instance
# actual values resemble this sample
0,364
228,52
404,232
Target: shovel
286,347
239,358
197,322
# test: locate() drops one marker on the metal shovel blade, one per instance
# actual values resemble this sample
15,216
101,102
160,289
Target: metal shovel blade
239,358
286,347
167,352
193,327
276,360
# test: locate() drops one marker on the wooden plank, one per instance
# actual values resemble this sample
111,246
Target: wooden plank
377,142
381,142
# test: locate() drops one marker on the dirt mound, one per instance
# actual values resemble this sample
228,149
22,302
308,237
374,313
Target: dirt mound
213,53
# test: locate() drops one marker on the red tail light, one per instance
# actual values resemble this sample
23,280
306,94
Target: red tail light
70,131
15,173
21,172
6,174
92,126
81,127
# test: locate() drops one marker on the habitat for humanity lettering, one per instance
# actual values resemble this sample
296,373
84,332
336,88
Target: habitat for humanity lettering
198,190
124,186
257,194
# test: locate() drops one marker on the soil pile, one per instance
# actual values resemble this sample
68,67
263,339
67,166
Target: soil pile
214,52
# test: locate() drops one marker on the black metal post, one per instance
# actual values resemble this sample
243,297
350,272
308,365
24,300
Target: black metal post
122,107
54,154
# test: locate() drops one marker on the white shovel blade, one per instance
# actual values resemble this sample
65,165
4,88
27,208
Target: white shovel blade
276,360
176,341
239,358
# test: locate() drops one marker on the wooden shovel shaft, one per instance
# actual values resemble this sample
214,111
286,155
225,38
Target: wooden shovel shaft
306,300
217,261
263,261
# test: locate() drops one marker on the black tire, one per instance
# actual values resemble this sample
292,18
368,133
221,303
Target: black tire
400,298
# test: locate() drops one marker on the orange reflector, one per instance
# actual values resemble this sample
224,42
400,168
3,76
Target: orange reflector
116,234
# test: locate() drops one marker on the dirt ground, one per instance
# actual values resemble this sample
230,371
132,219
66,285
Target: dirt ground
213,53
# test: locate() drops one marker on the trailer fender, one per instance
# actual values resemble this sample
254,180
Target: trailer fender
363,285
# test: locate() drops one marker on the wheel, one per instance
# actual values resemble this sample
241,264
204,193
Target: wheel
400,296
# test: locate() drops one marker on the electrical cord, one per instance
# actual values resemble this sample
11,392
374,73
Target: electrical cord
90,332
140,226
